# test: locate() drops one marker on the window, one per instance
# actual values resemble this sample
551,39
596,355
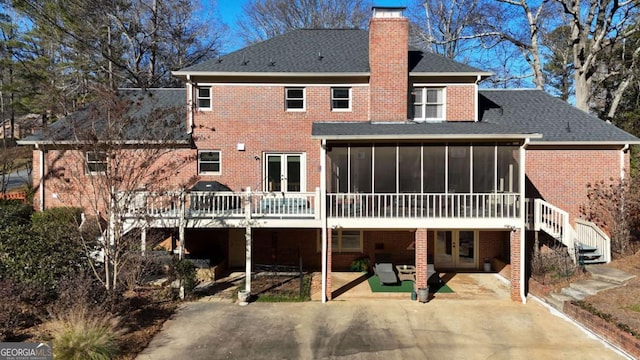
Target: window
428,104
294,99
346,240
340,99
96,162
209,162
204,98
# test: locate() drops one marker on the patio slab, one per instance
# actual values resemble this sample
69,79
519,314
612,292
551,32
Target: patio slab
490,326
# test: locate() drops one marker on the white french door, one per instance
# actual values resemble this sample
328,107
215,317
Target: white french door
285,172
456,249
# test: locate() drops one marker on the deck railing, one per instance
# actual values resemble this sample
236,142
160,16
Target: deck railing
307,205
359,205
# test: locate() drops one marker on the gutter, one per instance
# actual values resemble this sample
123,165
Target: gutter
428,137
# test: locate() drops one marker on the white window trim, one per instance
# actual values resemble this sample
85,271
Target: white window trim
303,169
349,99
340,248
219,161
87,162
423,103
304,98
210,98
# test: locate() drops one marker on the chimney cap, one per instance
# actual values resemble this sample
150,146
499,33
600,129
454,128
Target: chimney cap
388,11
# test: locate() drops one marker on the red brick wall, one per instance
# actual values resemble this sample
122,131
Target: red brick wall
516,276
256,117
388,63
561,175
461,105
492,244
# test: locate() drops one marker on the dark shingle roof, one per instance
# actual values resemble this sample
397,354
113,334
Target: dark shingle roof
536,111
151,115
318,51
440,130
503,114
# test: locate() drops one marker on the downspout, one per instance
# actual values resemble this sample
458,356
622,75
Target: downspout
622,162
189,105
523,233
478,78
323,215
41,170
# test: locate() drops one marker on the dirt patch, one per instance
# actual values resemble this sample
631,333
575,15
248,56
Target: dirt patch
622,303
281,287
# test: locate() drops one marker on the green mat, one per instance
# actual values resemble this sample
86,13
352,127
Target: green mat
405,287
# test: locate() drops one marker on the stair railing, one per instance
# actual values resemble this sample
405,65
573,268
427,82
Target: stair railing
591,235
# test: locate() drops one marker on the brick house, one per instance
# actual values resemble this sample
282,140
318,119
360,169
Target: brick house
333,145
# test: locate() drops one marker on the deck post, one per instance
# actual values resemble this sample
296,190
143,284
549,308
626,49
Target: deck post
143,241
181,225
247,238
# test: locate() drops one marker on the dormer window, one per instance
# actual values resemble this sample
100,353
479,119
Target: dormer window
428,103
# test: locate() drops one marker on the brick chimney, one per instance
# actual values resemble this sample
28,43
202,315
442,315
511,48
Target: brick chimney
388,64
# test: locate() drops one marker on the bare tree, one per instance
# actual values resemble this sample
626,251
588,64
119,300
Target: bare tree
595,26
461,26
105,155
264,19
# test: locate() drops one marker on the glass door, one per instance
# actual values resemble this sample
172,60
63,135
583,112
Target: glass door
455,249
284,173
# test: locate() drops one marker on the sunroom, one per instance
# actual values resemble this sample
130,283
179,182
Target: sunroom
407,173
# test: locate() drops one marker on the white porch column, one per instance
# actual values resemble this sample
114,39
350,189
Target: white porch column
42,168
523,233
143,241
181,225
248,239
323,214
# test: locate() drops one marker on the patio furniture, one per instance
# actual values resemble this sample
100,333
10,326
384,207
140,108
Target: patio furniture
433,278
385,273
406,272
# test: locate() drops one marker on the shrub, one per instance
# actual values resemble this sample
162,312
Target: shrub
360,264
185,271
83,334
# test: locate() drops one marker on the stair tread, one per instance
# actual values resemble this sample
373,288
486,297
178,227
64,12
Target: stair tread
574,293
586,247
590,255
592,286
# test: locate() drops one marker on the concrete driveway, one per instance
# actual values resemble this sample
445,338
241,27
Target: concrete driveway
444,328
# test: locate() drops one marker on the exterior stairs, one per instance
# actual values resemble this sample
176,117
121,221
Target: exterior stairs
602,278
588,255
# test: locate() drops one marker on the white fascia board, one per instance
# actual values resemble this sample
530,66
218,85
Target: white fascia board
120,142
441,74
268,74
430,137
585,143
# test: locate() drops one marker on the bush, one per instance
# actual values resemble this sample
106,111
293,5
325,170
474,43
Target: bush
83,334
185,271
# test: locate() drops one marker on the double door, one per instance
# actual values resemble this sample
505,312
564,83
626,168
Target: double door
456,249
285,172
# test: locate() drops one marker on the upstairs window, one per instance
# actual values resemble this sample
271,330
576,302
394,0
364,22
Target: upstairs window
294,99
203,99
428,104
209,162
340,99
96,162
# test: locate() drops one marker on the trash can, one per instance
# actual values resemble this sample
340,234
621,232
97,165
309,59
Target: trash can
423,294
487,265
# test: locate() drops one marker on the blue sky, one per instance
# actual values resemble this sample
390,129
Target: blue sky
230,11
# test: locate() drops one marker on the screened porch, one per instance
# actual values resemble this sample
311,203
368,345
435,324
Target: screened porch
423,180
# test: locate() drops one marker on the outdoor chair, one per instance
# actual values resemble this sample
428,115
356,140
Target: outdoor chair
385,273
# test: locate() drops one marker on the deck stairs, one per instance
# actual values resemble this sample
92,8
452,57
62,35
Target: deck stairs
586,243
